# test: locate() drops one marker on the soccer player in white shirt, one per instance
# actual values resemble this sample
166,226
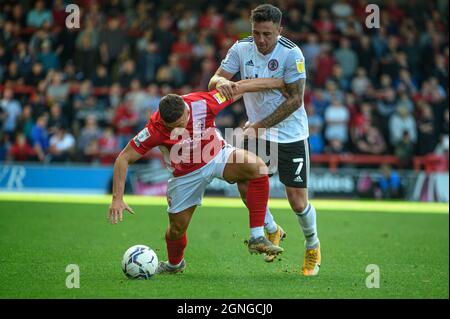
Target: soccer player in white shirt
267,54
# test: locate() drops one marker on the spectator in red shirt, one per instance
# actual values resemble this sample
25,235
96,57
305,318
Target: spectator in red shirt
184,51
108,146
395,12
324,25
125,119
324,65
211,19
59,13
21,151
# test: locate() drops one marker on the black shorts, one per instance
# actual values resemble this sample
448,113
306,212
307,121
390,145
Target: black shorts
291,160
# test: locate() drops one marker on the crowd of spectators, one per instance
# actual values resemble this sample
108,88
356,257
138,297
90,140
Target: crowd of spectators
81,94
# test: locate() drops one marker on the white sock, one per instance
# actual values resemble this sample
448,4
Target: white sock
256,232
307,221
269,222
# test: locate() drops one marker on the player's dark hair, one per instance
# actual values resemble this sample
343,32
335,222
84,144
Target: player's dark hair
266,12
171,108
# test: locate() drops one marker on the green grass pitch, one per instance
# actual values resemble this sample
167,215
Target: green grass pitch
40,235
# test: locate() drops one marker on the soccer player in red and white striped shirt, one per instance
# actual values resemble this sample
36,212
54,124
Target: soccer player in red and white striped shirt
195,153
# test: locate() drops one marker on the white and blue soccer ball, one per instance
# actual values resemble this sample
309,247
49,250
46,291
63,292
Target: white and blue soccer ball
139,262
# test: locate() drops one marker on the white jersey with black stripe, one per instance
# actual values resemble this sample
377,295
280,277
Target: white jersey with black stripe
286,61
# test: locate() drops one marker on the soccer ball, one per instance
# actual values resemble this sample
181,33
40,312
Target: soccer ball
139,262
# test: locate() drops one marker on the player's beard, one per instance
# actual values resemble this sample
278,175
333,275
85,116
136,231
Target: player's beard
265,49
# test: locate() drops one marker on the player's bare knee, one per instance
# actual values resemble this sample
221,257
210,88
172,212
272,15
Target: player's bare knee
257,169
299,206
262,168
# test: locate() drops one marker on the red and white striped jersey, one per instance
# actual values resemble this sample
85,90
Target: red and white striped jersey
186,150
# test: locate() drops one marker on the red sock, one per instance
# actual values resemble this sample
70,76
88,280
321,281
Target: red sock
257,197
175,249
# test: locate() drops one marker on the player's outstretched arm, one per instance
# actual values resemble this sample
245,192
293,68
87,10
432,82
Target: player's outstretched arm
260,84
295,92
255,85
125,158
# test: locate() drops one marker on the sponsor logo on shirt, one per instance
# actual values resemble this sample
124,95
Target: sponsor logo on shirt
141,136
300,65
219,98
250,63
199,125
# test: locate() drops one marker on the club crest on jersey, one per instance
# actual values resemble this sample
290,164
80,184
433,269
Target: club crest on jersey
141,136
273,65
219,98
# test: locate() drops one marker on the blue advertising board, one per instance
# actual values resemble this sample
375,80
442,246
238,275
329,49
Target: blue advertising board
87,179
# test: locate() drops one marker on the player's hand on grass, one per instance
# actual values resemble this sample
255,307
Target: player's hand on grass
227,88
116,210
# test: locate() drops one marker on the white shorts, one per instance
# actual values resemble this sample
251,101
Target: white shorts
188,190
